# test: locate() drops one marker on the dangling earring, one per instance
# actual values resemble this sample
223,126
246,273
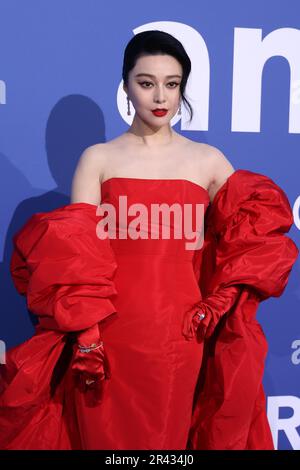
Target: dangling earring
128,107
179,109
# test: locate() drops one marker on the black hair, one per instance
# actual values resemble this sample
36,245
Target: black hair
154,42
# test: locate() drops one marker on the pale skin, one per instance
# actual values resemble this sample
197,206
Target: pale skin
150,148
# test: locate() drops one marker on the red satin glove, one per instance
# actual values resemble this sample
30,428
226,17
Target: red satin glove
211,309
90,368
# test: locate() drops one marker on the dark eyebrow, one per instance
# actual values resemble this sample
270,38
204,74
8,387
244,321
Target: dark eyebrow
153,76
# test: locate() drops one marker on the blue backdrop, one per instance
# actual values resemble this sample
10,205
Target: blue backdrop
60,92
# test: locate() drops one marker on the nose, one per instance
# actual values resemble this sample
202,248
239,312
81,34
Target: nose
159,96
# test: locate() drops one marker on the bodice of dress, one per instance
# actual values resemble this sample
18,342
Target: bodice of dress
162,217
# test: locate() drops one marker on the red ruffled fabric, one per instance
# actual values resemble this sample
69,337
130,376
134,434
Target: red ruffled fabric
246,248
66,273
64,269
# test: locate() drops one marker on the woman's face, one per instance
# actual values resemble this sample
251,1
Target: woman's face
154,83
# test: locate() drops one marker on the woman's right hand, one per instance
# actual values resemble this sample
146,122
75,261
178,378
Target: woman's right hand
90,368
90,363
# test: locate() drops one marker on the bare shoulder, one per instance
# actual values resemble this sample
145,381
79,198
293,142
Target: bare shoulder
85,182
219,167
94,155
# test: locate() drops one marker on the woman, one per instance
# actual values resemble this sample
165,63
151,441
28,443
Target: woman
146,341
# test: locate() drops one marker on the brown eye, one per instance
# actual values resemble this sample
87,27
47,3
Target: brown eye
142,83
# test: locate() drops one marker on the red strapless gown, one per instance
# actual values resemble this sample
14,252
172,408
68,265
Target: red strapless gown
139,291
148,401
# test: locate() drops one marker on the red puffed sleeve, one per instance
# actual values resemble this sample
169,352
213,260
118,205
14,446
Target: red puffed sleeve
64,269
247,258
67,274
245,246
248,221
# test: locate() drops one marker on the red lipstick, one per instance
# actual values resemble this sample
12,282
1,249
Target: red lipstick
159,112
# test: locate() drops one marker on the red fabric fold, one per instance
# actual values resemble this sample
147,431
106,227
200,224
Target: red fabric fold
247,223
66,273
246,247
64,269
